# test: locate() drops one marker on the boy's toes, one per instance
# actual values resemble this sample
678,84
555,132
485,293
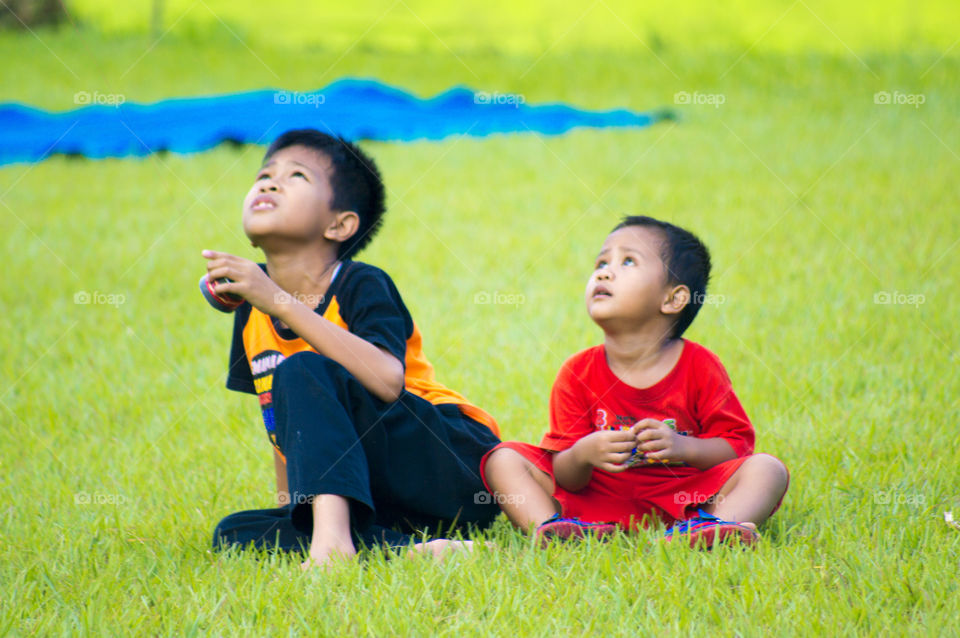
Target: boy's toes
440,548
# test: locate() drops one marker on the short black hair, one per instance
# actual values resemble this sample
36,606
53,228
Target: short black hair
687,263
356,181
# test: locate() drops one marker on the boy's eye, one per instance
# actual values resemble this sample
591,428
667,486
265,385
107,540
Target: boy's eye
262,176
628,261
298,173
600,264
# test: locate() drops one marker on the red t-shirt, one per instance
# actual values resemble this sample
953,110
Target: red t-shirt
696,393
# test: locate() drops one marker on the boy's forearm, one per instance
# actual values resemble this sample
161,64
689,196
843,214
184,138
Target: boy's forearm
378,371
570,471
705,453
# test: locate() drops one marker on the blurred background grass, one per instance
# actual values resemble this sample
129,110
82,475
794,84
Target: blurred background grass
533,28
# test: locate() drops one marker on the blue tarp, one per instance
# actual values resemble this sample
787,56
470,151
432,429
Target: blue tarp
355,109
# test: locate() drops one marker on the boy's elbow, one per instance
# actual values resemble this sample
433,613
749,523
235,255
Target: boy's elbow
395,385
393,394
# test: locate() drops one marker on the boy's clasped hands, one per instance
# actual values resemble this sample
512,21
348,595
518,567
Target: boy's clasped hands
609,450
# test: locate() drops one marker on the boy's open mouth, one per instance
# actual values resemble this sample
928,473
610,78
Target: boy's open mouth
263,202
600,291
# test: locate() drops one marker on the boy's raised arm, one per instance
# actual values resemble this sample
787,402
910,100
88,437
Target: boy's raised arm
377,370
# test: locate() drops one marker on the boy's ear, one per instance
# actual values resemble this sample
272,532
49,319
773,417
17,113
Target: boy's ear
676,300
343,227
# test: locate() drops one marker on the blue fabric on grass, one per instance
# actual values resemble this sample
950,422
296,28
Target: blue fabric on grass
355,109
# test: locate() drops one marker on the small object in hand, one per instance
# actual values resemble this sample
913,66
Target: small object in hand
638,457
224,302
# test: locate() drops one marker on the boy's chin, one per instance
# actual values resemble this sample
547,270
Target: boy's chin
599,317
611,322
255,240
262,236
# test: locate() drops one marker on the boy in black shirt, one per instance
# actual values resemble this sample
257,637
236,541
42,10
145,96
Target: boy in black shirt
368,445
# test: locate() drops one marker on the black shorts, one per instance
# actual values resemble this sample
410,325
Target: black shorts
408,466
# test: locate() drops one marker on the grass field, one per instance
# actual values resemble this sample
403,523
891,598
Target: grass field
833,224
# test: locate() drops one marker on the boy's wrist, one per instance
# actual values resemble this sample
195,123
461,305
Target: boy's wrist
682,446
571,471
284,306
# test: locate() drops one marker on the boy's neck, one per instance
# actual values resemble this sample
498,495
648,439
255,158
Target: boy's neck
305,271
641,358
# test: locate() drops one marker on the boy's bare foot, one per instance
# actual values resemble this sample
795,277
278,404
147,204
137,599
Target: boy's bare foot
331,539
324,555
442,547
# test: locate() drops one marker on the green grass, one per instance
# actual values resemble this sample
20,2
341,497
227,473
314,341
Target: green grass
532,27
812,198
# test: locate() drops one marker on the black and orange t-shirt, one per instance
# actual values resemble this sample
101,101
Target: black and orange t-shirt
362,299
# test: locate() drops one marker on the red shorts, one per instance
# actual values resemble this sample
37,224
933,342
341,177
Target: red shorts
667,493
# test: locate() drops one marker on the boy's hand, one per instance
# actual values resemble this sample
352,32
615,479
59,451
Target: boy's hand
659,441
607,450
249,280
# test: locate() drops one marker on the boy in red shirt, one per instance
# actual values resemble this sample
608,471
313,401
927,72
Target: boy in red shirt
646,424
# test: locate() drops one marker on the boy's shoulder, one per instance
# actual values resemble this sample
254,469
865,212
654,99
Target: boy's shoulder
364,290
698,361
582,365
700,353
360,267
585,357
361,277
702,367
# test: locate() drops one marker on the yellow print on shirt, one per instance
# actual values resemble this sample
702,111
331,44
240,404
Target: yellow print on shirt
263,384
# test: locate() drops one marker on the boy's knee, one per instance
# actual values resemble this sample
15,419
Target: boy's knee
769,467
507,464
502,459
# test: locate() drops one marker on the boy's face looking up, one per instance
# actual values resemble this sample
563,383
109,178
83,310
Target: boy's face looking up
630,286
289,202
